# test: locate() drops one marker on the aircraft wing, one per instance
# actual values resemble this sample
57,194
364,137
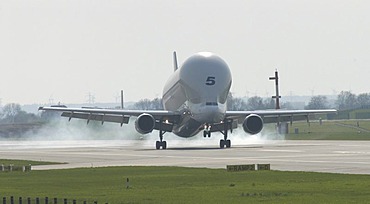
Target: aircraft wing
112,115
272,116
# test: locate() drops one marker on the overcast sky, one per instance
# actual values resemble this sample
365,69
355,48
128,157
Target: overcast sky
65,49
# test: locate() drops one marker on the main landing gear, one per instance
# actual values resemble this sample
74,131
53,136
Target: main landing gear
161,144
225,142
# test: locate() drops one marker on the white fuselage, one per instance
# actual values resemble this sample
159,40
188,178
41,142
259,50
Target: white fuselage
198,90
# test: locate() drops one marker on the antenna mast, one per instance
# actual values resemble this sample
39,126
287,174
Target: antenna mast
277,96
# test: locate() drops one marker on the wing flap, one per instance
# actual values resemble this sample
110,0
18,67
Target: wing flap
98,117
284,118
272,116
117,116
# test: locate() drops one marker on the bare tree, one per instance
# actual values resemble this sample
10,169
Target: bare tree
235,103
146,104
346,100
269,103
318,102
10,110
363,99
255,103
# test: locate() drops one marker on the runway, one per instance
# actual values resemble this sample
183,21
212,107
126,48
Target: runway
351,157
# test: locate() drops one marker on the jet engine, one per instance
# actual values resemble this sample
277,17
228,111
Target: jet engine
145,123
253,124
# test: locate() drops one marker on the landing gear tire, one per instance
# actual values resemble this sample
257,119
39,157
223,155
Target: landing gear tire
206,134
228,143
225,143
160,144
222,144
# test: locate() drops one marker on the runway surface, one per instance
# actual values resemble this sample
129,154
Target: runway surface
318,156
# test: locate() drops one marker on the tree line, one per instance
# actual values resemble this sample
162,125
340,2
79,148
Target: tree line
12,112
345,100
233,103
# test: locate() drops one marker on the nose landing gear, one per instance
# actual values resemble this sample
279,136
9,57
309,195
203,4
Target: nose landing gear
207,130
223,128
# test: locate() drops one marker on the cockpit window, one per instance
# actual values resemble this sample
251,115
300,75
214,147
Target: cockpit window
211,104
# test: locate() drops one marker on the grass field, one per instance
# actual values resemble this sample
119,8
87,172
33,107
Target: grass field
330,130
186,185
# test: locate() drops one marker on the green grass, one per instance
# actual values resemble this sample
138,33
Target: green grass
198,185
329,130
362,123
187,185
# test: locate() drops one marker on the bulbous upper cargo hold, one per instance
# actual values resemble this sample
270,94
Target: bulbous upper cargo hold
203,78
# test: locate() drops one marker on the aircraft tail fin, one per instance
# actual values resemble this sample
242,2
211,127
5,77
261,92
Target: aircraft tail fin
175,67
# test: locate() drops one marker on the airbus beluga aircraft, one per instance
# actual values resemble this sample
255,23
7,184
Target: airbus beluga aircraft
194,100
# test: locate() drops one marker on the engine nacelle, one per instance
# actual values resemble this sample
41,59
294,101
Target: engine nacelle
145,123
253,124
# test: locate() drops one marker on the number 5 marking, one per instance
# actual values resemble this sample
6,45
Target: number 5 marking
211,81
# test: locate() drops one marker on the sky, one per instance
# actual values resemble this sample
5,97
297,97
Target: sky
62,50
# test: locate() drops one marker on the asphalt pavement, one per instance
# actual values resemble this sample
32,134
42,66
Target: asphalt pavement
351,157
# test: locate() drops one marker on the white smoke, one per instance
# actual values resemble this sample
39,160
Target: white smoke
60,132
238,138
62,129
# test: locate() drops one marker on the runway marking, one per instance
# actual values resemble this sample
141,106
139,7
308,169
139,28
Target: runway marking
351,152
279,150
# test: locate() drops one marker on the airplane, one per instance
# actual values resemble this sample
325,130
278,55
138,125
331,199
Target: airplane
194,100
